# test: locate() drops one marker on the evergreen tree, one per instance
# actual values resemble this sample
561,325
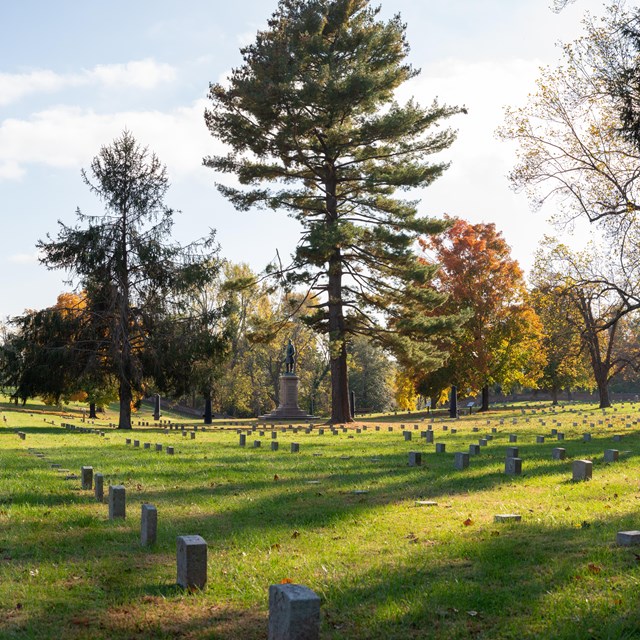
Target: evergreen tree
125,262
312,110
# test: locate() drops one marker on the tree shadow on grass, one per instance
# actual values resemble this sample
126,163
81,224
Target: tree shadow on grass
521,581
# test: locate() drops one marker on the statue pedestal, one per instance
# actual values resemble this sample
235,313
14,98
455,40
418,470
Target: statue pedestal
288,408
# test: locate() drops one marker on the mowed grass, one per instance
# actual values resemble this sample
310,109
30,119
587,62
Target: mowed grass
384,567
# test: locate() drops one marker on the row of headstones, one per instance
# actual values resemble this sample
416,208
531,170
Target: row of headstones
275,445
183,428
294,610
147,445
582,469
475,449
73,427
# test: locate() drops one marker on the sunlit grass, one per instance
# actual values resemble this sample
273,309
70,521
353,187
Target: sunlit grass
384,567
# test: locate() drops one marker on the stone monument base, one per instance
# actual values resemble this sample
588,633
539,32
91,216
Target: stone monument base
288,408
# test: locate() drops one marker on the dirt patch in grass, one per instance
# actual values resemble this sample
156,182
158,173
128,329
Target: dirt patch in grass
188,619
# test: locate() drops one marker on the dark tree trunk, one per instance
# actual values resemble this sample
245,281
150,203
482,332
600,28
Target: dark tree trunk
485,398
208,412
554,395
156,408
92,411
603,390
340,409
126,397
453,402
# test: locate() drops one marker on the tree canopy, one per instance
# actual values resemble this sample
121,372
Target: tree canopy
131,273
498,342
312,111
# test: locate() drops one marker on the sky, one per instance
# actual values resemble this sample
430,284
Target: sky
74,75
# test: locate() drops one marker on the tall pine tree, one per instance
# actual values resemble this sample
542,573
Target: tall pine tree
312,110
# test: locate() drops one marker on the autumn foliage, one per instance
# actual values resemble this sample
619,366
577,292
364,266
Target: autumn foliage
499,341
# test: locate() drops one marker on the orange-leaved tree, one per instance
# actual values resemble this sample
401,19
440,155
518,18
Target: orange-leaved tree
499,342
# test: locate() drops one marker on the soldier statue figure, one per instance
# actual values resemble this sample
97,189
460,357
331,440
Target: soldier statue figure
290,359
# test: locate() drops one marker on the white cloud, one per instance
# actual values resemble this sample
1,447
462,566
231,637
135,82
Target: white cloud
24,258
144,74
11,170
70,136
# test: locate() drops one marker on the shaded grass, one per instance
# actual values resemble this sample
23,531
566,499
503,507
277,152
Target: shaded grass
384,567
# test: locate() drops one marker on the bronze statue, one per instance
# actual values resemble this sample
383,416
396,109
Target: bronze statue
290,359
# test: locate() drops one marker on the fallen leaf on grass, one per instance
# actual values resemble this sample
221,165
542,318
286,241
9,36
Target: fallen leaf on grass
276,477
274,547
468,522
295,534
286,581
473,614
594,568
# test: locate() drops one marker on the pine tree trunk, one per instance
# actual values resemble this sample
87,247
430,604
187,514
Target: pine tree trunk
485,398
92,410
340,409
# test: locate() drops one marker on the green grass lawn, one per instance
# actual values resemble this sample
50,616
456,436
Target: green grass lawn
384,567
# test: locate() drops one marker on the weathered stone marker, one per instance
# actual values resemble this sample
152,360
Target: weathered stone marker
86,475
148,525
407,435
441,447
513,437
513,466
147,445
474,449
628,538
295,447
507,517
170,451
461,460
117,501
540,439
192,562
611,455
415,458
274,445
294,613
512,452
429,437
243,440
158,447
136,443
98,487
257,444
582,470
586,437
559,453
